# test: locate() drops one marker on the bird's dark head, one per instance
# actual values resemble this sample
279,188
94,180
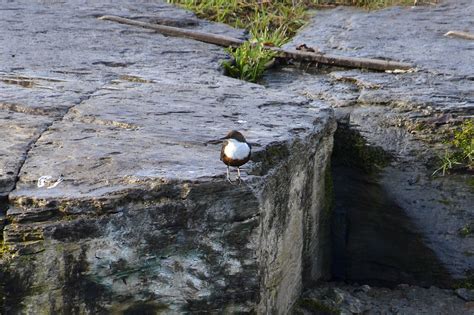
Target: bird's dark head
234,134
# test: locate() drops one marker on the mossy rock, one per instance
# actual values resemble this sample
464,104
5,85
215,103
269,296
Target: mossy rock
351,149
318,307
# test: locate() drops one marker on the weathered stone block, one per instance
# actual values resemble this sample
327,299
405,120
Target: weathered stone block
176,245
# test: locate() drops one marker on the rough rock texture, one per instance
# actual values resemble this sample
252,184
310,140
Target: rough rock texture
340,298
404,115
144,220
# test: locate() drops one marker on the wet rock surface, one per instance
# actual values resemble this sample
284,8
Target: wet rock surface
340,298
465,294
144,220
405,116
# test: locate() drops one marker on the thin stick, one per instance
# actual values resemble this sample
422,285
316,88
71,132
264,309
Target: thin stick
464,35
226,41
220,40
349,62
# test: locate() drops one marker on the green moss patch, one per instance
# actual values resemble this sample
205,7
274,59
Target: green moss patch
318,307
351,149
468,282
4,249
467,230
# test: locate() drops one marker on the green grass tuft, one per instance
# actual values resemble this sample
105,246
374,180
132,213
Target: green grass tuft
249,61
461,152
270,22
255,16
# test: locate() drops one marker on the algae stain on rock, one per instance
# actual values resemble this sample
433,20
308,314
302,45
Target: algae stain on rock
145,308
352,149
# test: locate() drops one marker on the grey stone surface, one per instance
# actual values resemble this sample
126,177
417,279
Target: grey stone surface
347,299
407,116
443,82
411,34
465,294
18,131
144,220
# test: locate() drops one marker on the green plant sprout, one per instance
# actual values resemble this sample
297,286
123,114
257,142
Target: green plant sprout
461,152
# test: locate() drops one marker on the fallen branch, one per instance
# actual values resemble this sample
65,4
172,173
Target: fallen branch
227,41
220,40
350,62
464,35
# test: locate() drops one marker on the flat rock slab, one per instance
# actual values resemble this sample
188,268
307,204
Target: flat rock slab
144,219
443,80
128,102
18,132
126,132
404,299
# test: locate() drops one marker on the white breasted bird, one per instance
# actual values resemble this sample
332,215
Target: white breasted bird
235,152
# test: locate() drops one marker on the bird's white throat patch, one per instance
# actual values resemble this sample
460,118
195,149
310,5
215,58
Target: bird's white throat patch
236,150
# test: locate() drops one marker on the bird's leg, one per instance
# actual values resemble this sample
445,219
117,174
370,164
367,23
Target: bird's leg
238,175
228,175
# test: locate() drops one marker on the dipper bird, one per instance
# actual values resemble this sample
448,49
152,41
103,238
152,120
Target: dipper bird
235,152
